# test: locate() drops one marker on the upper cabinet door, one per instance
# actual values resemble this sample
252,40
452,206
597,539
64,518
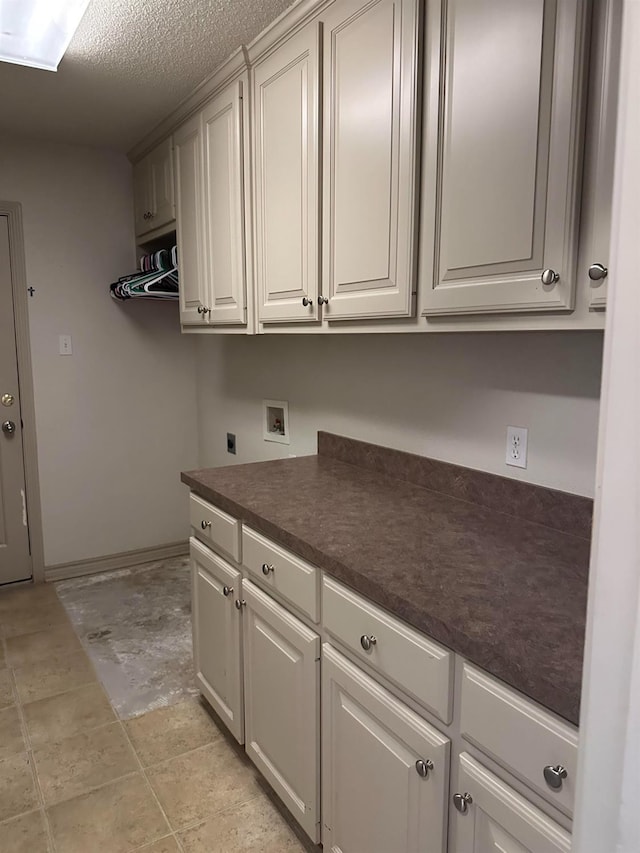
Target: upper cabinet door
188,172
370,69
600,155
286,127
141,197
509,157
161,184
224,236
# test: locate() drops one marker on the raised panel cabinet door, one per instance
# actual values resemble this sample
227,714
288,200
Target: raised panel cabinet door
600,155
281,682
224,237
508,182
142,196
370,90
217,633
286,103
163,208
495,819
385,770
187,141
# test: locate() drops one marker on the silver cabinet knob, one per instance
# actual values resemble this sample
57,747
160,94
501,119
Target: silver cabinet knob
597,272
322,300
8,427
227,590
306,301
200,309
267,569
462,802
7,399
550,277
553,776
423,767
367,640
240,603
204,524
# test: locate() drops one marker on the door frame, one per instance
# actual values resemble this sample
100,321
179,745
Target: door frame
13,211
608,785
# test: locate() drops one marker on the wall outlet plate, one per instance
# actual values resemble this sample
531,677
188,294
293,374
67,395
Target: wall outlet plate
517,440
231,442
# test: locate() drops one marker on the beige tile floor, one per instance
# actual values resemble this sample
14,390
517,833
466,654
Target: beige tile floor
76,779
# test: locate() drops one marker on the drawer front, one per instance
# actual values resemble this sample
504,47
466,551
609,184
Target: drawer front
406,657
282,571
520,735
214,527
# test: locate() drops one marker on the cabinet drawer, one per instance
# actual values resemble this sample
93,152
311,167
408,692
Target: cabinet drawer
519,734
214,527
406,657
292,577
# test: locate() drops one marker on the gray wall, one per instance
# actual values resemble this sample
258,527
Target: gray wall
116,421
446,396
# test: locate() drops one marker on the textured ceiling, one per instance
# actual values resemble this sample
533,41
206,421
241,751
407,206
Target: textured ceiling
128,66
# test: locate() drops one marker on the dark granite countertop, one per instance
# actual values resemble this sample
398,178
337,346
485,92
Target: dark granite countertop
507,593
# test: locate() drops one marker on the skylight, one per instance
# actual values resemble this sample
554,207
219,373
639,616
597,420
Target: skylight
37,32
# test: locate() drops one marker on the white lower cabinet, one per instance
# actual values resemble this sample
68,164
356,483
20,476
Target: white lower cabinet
217,632
385,770
281,677
492,818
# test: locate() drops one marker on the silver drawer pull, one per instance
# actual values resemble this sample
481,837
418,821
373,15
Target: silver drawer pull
240,603
597,272
227,590
367,640
205,524
267,569
553,776
423,767
462,802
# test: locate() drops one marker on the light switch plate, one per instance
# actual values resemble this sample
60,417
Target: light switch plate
64,345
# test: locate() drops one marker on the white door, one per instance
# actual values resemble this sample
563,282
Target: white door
224,237
495,819
281,684
187,143
375,796
286,103
509,157
161,184
370,76
15,557
217,634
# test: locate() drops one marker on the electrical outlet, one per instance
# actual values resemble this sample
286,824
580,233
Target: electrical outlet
517,446
231,442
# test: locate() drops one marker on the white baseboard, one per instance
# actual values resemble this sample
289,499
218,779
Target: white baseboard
112,562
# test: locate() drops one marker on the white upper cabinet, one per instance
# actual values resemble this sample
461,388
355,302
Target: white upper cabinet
224,207
509,154
600,154
189,209
370,84
153,189
286,98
